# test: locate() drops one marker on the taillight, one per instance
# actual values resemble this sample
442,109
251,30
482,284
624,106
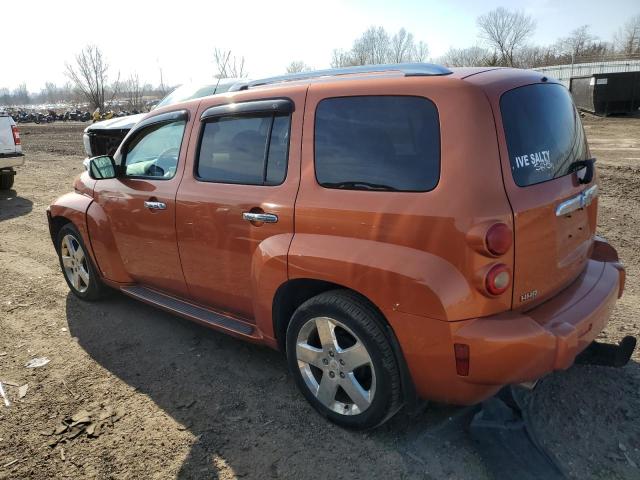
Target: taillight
498,239
16,135
498,279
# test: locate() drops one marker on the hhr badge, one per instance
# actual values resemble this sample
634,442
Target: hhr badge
525,297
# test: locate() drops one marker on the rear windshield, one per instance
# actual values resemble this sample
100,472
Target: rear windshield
543,131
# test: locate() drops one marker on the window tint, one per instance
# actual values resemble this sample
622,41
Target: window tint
543,131
377,143
278,151
250,150
154,151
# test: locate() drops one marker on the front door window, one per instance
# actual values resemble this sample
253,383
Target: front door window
153,152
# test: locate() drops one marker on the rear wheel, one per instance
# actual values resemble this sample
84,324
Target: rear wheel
6,180
342,360
76,265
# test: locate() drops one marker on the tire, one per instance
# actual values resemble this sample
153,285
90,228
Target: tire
78,270
352,377
6,181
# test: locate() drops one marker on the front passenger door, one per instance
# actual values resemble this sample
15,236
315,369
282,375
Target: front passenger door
140,202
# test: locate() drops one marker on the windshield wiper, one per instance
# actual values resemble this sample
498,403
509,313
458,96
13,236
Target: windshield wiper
579,165
360,186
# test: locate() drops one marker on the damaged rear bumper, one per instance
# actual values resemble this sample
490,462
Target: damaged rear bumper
518,347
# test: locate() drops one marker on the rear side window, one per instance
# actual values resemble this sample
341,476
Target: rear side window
543,131
250,150
377,143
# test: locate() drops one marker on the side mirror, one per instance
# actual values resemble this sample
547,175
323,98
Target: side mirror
102,167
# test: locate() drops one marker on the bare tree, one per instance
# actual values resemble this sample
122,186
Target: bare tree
421,51
135,92
298,66
506,31
50,93
466,57
578,42
228,65
372,47
162,88
627,39
21,95
537,56
341,58
90,75
403,48
375,46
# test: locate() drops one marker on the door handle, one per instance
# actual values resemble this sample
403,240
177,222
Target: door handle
260,217
151,205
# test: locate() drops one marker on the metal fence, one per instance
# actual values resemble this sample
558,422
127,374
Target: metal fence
563,73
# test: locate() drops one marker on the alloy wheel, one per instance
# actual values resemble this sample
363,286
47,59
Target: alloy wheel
336,366
74,262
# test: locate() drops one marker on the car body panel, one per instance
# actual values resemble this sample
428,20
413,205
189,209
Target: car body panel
10,154
7,143
551,250
228,262
389,253
73,207
145,238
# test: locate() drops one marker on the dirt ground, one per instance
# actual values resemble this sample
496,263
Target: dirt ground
193,403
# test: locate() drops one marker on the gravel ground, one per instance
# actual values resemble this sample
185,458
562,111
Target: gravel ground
181,401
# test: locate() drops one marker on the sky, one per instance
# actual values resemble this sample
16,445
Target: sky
180,36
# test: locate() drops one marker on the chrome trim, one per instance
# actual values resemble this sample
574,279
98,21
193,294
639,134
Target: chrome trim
260,217
155,205
407,69
582,200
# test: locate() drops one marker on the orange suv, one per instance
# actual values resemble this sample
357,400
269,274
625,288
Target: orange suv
399,231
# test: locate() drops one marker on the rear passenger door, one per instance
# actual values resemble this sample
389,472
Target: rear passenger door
235,207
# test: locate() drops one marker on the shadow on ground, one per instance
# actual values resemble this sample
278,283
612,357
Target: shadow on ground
242,406
12,205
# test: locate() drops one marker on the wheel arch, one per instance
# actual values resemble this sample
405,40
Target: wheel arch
294,292
70,208
55,225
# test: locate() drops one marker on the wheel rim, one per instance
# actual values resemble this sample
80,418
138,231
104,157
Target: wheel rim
336,366
74,262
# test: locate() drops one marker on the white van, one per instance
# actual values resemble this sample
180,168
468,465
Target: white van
10,151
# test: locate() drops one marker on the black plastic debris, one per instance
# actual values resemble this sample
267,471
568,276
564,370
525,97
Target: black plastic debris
608,355
507,443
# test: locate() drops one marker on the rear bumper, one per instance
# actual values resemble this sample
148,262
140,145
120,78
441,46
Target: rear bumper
8,160
517,347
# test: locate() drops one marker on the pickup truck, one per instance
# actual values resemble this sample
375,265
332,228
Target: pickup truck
10,150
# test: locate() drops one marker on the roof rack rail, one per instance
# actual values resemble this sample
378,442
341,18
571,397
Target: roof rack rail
408,69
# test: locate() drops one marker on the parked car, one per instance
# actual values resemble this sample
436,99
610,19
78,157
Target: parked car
10,150
103,138
398,231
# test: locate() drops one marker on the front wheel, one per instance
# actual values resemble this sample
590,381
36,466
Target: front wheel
342,361
76,265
